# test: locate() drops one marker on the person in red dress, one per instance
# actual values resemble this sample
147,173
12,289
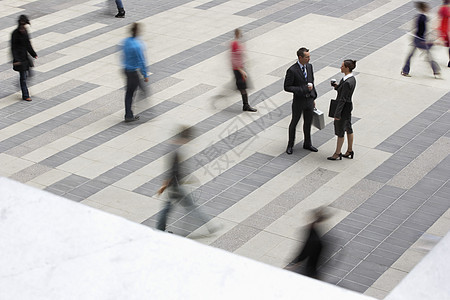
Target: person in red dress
237,62
444,14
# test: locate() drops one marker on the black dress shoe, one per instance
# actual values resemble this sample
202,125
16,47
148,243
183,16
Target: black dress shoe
249,108
311,148
135,118
289,150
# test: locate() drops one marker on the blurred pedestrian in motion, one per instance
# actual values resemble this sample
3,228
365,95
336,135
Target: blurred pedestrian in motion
313,246
120,9
343,112
133,60
420,41
444,29
237,62
177,194
21,49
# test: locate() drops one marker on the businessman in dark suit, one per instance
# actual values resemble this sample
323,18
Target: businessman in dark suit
300,81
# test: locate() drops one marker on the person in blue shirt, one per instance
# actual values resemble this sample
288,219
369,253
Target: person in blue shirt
133,60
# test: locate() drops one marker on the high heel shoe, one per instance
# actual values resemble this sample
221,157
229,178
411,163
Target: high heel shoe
339,156
349,155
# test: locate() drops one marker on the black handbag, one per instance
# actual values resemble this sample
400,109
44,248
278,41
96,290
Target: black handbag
332,109
346,110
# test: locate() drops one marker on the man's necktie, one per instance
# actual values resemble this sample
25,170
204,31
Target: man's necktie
304,71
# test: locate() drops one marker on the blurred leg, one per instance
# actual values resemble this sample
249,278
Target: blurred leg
23,85
162,222
407,65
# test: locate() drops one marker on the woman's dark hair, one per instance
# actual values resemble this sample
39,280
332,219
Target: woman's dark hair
351,64
446,1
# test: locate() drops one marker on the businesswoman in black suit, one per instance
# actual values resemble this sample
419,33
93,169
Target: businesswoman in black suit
342,115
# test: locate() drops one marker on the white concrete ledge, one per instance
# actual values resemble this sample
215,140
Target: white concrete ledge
429,279
53,248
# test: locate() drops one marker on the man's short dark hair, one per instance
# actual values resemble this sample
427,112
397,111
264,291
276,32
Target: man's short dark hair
421,5
301,52
134,29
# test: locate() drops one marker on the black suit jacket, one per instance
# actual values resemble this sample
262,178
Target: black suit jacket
345,91
295,82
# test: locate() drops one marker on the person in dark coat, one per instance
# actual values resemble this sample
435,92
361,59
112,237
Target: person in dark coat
174,185
343,113
299,81
313,246
21,49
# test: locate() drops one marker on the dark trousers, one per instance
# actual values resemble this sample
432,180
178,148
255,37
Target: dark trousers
299,107
133,82
311,251
177,195
420,44
23,84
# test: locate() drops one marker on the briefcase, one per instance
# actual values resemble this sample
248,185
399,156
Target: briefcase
318,119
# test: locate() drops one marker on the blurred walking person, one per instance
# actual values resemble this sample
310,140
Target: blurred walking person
133,60
237,62
313,246
177,194
21,49
420,41
444,29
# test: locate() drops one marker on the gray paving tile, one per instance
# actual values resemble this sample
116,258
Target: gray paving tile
393,248
340,266
366,212
359,218
360,279
30,173
379,176
406,234
235,238
339,237
353,286
385,225
346,228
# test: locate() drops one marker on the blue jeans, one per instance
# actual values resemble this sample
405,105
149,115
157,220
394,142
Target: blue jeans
23,84
119,4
